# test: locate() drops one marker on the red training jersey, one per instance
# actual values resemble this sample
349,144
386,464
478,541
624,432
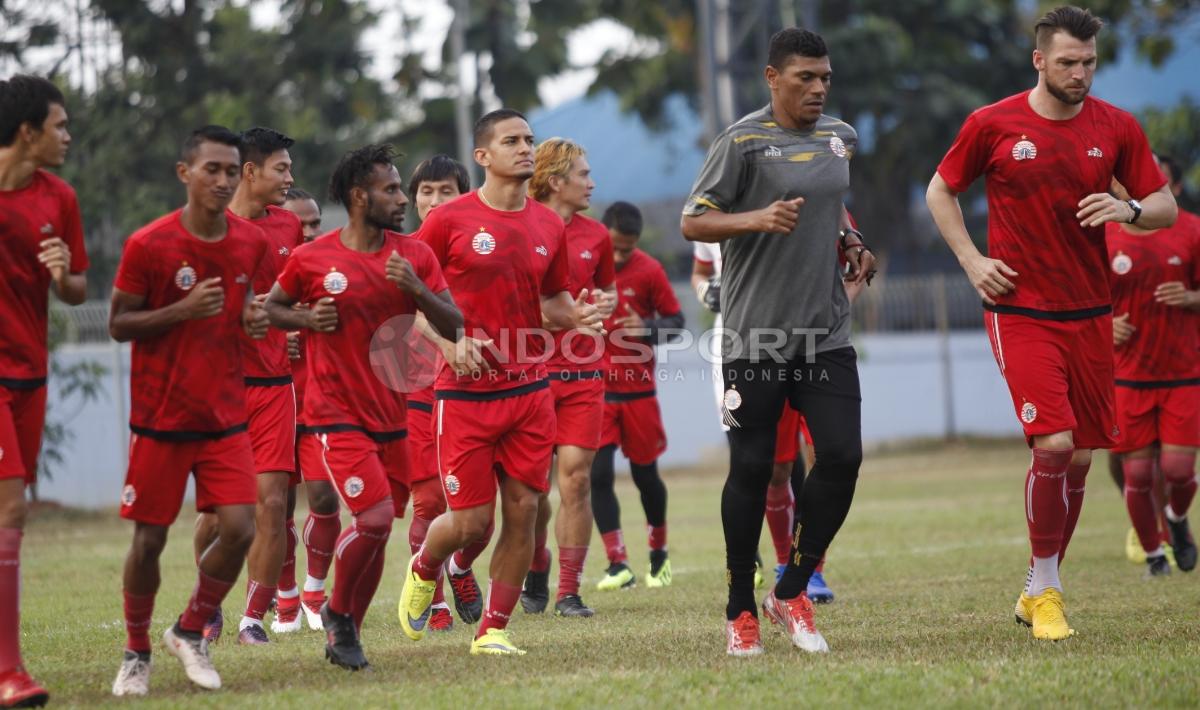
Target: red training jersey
1037,170
186,382
352,377
590,263
642,284
44,209
1166,345
499,266
300,378
266,360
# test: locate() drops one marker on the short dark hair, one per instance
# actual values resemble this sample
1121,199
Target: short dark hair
259,143
437,168
207,134
297,194
25,99
486,124
1075,21
355,168
793,41
1174,172
624,217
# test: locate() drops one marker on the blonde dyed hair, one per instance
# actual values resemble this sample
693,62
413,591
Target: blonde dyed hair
553,157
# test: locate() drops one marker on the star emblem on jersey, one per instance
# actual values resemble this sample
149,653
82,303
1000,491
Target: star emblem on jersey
128,496
483,243
336,282
838,146
1121,263
1024,150
1095,152
772,152
1028,413
185,278
353,487
452,484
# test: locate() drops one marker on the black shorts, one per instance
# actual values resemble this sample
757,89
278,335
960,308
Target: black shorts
756,391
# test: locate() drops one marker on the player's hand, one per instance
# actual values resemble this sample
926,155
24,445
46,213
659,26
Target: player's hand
323,316
56,256
465,356
1174,293
1123,330
293,344
205,300
1101,207
400,272
586,316
254,318
709,293
779,217
860,264
632,323
606,303
990,277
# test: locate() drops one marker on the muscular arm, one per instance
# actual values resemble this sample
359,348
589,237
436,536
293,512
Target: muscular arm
990,277
127,321
558,311
441,312
1158,209
712,225
280,312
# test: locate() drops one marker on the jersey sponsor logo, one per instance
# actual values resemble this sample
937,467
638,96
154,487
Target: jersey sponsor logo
128,495
1028,413
1095,152
1175,261
47,228
629,292
185,278
1121,263
838,146
354,487
483,243
242,279
336,282
452,484
772,152
1024,150
283,251
585,254
542,250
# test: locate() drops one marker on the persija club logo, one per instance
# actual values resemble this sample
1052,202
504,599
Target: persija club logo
452,485
185,278
1024,150
336,282
354,487
483,243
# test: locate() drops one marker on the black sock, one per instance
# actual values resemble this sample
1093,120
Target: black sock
653,491
742,502
605,508
657,558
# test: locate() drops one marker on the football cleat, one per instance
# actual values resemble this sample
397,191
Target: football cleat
133,678
468,598
310,604
1182,545
415,600
253,635
742,637
1157,566
213,627
617,576
495,642
440,618
342,646
656,579
818,591
1133,548
19,690
535,594
572,605
796,618
1048,616
192,651
287,615
1023,611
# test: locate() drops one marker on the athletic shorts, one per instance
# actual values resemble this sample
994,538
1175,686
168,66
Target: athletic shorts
364,471
22,416
479,440
156,480
1060,375
757,393
271,412
578,411
1166,415
422,446
634,422
787,436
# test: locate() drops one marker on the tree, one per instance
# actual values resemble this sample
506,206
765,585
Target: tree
1174,133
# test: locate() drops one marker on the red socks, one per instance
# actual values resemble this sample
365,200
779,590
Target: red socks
614,547
320,535
657,536
570,569
138,611
1076,480
287,573
205,601
501,600
1179,470
364,590
426,566
1139,481
10,604
541,553
258,598
781,509
1046,500
356,578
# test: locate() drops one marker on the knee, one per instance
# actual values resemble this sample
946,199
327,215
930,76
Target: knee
1055,442
428,501
272,508
840,462
236,531
574,485
322,499
1178,466
781,474
14,511
1139,473
471,525
149,541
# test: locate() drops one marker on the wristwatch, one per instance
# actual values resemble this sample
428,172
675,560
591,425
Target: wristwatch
1137,210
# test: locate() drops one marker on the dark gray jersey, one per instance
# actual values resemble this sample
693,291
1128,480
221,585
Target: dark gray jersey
781,282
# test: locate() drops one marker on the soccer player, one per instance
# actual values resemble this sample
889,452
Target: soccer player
562,181
1048,155
646,311
306,208
183,295
1155,281
505,258
361,280
41,249
783,170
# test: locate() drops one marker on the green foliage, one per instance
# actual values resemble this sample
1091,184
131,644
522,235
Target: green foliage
1176,132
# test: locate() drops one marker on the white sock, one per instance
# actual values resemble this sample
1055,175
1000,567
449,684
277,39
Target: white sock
1173,517
1045,575
441,605
454,568
1157,553
248,622
288,593
1028,580
312,584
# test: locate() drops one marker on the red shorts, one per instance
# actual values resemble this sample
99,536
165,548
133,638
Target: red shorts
787,435
578,411
22,415
478,440
156,481
365,472
1060,375
271,412
636,425
1167,415
422,446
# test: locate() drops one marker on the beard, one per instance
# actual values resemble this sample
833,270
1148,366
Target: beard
1061,94
382,218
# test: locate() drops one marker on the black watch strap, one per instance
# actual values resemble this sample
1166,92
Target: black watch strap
1137,210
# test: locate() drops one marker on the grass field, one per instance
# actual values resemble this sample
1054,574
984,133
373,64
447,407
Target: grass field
926,571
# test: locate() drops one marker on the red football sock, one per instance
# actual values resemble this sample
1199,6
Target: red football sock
10,604
1076,480
320,535
425,565
657,536
364,589
206,599
1046,500
541,553
466,557
416,537
287,573
820,566
258,598
356,551
1179,470
501,600
614,546
570,569
781,510
1139,479
138,611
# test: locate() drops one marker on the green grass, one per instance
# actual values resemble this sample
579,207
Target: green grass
926,571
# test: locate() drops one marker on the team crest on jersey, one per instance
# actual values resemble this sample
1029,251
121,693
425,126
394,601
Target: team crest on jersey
585,254
1121,263
732,399
354,487
336,282
1028,413
185,278
629,292
452,485
483,243
128,495
772,152
542,250
838,146
1024,150
1175,260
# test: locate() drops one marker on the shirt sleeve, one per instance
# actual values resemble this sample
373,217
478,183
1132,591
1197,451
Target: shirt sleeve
606,273
1135,168
73,233
665,302
720,181
434,232
132,276
291,279
558,276
430,271
967,158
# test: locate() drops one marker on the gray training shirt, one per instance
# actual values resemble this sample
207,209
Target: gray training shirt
781,281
